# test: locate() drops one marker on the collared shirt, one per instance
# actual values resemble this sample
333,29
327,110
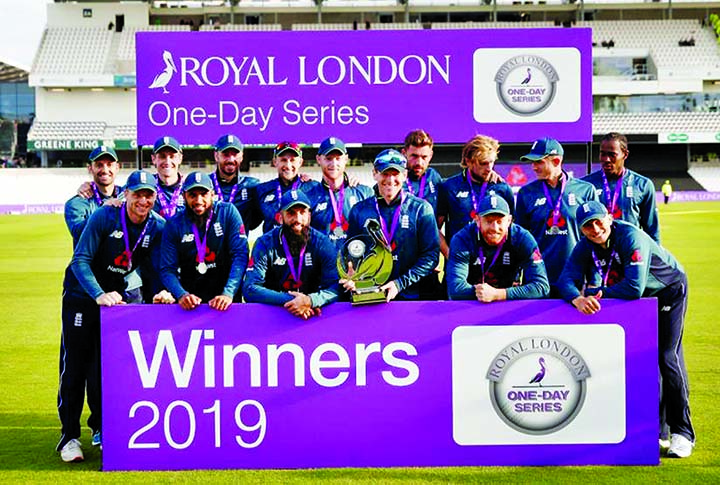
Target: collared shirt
323,215
639,267
96,266
518,260
268,203
534,212
455,201
79,209
226,255
416,248
243,200
269,278
636,200
430,191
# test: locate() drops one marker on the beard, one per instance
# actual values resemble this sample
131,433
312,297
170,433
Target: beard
296,241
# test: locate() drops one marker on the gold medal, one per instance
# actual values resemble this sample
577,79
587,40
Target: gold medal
202,268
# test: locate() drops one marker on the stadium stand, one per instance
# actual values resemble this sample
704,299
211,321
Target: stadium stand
73,50
321,27
241,27
654,123
73,130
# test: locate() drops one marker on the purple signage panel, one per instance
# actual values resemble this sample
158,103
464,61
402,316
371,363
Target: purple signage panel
365,86
405,384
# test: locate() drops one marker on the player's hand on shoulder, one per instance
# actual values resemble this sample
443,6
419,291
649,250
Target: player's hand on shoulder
85,190
495,178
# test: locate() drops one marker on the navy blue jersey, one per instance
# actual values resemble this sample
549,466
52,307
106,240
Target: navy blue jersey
169,198
456,205
634,203
242,191
534,212
99,264
430,186
226,255
79,209
269,277
473,261
323,215
269,194
415,244
633,266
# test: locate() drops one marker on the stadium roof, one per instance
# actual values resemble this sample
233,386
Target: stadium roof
12,74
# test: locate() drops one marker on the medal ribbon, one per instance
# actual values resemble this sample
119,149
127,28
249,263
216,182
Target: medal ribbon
218,191
474,199
396,219
481,256
611,203
556,208
278,191
168,206
599,267
295,273
126,235
421,189
96,193
201,244
337,206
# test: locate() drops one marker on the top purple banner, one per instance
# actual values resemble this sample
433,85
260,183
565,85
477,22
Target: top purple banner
365,86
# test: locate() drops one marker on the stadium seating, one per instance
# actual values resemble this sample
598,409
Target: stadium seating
240,27
126,46
67,130
73,50
653,123
320,27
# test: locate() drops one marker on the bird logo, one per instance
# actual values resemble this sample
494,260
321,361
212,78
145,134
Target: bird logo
162,79
540,375
528,77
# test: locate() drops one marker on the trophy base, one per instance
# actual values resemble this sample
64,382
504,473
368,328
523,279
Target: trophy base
366,296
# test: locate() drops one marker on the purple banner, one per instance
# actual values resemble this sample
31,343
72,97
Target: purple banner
32,208
405,384
365,86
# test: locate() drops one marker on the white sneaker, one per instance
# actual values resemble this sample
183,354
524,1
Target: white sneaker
680,446
72,451
664,444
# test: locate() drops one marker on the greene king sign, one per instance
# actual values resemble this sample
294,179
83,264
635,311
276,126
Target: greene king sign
368,87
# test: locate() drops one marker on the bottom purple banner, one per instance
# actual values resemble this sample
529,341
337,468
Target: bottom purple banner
396,385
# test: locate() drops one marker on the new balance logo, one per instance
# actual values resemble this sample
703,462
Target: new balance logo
666,309
540,201
463,194
116,234
187,238
280,261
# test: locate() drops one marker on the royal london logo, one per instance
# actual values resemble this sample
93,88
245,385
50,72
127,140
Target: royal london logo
537,384
526,84
163,78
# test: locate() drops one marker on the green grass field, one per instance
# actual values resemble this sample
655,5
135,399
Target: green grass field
36,249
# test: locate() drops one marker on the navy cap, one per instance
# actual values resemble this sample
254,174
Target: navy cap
141,179
388,159
493,204
542,148
284,146
197,179
228,141
590,211
292,198
166,142
332,144
101,151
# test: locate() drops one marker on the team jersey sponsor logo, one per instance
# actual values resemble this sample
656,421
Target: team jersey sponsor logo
78,320
506,258
321,206
146,241
280,261
116,234
269,198
463,194
308,259
187,238
540,201
629,191
572,200
244,194
636,257
405,221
